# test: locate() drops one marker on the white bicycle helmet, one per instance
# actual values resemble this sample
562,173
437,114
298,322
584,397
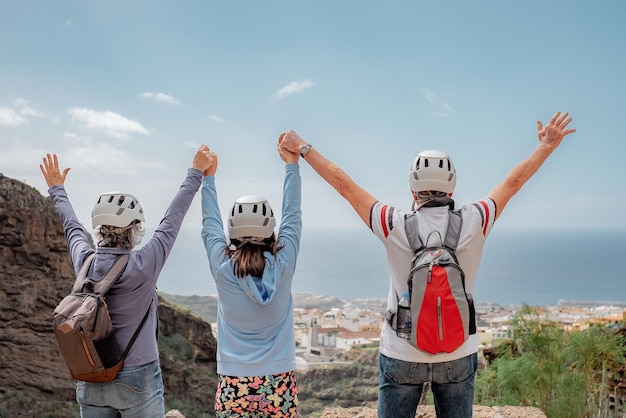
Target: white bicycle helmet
116,209
251,216
432,170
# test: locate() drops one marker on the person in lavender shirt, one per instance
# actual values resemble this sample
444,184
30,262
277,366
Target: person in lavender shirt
137,391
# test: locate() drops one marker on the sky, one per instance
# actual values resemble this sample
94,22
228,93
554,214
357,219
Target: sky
125,92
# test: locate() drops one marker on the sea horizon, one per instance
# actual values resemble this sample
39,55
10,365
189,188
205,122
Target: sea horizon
519,266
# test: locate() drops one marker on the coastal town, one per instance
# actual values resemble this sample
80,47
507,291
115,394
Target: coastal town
324,334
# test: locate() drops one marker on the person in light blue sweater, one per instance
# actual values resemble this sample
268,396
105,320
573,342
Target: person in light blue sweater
253,270
137,391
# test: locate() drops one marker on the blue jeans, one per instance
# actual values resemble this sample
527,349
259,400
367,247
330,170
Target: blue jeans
136,392
401,383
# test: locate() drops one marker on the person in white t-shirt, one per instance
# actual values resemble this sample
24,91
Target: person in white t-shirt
405,369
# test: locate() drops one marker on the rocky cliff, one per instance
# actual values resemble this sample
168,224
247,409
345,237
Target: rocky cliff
35,274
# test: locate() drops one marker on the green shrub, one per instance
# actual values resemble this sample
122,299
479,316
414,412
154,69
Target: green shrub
563,373
176,346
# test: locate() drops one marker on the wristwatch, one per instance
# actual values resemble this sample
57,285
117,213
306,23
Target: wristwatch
304,150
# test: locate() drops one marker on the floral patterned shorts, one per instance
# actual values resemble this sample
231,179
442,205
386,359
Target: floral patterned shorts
257,396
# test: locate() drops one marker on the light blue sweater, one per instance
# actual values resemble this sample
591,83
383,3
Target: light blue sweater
255,315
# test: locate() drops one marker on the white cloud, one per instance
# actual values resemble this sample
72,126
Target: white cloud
216,118
107,122
436,99
293,88
105,158
20,158
192,145
9,117
27,109
72,137
161,98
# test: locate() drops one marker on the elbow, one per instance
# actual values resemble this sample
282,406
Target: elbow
344,186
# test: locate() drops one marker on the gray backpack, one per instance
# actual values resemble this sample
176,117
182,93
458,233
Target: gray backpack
442,314
83,327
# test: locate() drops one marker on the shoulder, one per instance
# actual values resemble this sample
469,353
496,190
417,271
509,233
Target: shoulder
386,219
481,214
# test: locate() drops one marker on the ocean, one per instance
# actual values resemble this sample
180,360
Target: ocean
536,267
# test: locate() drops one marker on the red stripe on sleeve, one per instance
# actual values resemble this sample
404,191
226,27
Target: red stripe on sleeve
487,214
383,220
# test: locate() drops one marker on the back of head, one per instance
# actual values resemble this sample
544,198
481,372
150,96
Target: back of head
251,217
432,171
117,219
251,225
116,209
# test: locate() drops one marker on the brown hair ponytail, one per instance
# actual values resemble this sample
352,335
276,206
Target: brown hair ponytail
248,258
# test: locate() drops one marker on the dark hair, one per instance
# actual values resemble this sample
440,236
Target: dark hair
248,257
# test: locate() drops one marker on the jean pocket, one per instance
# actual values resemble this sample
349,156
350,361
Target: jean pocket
462,369
133,385
82,392
398,371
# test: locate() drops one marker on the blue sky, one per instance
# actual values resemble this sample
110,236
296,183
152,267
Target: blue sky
125,92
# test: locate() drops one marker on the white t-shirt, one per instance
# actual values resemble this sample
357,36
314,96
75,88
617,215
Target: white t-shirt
388,225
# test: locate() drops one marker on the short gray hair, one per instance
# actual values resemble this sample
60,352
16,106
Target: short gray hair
127,237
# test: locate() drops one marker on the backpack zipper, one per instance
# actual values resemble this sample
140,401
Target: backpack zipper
430,272
95,318
86,348
439,318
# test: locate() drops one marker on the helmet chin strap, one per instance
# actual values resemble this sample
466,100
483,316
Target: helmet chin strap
432,202
251,240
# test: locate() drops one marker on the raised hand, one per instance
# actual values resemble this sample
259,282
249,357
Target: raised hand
289,157
291,141
553,133
51,171
205,160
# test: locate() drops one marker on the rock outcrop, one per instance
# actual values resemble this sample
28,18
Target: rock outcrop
35,274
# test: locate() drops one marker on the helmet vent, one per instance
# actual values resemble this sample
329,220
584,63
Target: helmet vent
449,166
240,209
120,211
120,201
440,163
254,208
111,198
264,210
266,221
426,163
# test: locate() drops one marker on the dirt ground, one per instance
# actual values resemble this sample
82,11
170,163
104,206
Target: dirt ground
429,412
424,412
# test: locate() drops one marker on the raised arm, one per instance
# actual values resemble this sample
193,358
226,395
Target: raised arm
76,236
51,172
359,198
550,138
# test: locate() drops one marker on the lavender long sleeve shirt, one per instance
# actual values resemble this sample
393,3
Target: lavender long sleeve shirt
135,291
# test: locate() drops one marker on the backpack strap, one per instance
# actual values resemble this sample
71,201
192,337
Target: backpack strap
104,284
412,232
455,222
136,334
82,274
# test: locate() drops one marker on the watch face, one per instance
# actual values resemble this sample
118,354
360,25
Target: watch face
304,149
